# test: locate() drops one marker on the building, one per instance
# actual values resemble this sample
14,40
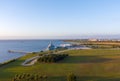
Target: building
93,40
50,47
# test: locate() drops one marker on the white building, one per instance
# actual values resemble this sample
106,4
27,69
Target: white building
50,46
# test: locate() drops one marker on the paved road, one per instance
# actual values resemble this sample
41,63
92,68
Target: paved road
30,61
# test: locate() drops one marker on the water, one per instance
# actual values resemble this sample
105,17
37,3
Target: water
22,45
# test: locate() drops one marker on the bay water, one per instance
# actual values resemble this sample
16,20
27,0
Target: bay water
23,45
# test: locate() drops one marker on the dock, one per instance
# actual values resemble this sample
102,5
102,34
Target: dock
15,51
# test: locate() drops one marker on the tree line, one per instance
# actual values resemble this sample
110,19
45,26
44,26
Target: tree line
29,77
38,77
52,58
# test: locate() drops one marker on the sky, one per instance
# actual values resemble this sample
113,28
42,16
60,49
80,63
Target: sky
58,18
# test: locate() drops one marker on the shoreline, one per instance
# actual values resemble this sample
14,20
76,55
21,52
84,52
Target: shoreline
7,62
11,60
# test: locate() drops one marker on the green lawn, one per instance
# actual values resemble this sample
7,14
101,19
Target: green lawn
88,65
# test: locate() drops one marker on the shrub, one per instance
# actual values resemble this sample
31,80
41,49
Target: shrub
51,58
29,77
71,77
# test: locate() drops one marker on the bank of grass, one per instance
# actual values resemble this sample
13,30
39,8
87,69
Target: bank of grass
88,65
6,71
97,44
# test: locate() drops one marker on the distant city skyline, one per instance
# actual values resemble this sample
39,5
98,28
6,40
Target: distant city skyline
59,19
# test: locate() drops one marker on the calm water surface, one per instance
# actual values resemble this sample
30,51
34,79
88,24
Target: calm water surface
22,45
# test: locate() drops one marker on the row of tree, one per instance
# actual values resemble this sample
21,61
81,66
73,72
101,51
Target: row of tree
37,77
51,58
29,77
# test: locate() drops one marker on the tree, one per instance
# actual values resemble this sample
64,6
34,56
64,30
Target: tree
71,77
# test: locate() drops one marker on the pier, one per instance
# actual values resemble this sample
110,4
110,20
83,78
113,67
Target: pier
15,51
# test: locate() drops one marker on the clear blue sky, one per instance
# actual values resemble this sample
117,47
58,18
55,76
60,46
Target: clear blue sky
57,18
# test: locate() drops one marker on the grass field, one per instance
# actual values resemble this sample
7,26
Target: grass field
97,44
88,65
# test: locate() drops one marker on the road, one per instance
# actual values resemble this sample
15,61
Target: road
30,61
